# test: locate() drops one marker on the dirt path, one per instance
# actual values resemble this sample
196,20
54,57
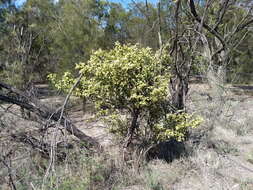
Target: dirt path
92,127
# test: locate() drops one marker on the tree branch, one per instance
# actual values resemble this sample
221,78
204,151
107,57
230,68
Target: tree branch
35,106
207,27
221,14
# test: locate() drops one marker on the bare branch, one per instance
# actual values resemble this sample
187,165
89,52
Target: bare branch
207,27
221,14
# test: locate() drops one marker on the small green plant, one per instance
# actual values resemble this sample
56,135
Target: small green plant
246,185
250,157
74,183
152,181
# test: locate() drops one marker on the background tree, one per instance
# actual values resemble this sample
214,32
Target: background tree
76,31
26,55
199,26
116,25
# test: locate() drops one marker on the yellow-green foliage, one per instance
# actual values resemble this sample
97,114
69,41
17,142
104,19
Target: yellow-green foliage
128,77
170,126
65,83
131,79
175,125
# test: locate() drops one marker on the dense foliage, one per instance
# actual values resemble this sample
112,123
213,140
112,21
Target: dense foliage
127,77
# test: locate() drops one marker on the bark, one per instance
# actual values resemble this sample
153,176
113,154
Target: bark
133,127
207,27
179,89
84,104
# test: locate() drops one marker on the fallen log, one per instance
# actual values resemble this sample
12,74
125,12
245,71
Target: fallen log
35,106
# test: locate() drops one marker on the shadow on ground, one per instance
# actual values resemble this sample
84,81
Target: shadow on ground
244,87
167,151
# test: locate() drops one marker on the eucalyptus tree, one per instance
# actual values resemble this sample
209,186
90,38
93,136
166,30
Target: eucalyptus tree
25,43
76,31
203,32
116,25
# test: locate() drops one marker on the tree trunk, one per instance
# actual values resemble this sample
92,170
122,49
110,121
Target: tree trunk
133,127
179,89
84,102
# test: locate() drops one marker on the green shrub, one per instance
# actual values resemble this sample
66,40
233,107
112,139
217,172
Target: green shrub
132,80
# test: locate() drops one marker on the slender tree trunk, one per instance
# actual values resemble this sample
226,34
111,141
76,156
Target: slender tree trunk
133,127
84,102
179,89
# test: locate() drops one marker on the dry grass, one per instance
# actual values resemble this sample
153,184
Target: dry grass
218,155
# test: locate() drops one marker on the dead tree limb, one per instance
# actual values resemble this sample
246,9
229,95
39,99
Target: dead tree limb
35,106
